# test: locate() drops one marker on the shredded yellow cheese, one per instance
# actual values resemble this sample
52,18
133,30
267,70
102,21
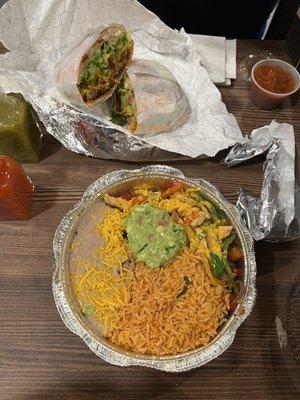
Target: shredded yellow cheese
115,250
74,245
102,290
173,204
167,204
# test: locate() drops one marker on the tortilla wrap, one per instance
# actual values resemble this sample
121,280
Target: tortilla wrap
89,74
156,101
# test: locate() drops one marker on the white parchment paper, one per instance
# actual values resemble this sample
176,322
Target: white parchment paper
39,32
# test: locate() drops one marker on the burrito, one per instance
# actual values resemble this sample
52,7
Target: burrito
93,69
149,100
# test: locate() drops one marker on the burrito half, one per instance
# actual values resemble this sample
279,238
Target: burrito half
93,70
148,99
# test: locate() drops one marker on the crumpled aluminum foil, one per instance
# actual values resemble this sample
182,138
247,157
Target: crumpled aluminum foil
275,215
65,302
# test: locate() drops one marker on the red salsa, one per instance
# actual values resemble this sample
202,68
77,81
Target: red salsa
274,78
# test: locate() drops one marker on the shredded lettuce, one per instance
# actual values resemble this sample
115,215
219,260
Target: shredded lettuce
125,95
123,108
101,57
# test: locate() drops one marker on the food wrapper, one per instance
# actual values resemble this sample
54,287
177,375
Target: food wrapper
275,215
68,70
160,102
39,32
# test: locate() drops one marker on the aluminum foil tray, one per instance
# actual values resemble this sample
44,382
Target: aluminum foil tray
117,182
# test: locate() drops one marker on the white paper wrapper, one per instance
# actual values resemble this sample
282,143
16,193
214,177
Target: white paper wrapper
38,32
161,104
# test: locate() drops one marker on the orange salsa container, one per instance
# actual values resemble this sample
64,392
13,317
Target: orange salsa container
272,81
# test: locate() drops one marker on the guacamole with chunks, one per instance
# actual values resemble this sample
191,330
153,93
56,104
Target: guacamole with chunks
153,236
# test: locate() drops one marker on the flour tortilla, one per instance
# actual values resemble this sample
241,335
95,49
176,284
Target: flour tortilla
72,65
161,105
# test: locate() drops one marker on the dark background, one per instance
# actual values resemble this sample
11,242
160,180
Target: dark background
234,19
231,18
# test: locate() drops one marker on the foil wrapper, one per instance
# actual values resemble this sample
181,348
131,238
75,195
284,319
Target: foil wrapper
275,215
37,42
124,180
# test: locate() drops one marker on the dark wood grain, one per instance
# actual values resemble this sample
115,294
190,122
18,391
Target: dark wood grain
41,360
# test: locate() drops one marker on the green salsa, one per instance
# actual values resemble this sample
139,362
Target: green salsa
20,135
153,236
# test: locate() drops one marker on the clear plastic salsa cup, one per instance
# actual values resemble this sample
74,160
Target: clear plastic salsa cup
266,99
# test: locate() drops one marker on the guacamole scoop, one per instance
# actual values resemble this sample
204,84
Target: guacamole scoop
153,236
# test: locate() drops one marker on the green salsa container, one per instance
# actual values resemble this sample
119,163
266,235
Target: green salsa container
20,135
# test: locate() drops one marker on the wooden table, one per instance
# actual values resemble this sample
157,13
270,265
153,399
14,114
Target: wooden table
40,359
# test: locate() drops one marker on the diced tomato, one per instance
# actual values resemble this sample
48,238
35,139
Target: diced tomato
137,200
126,196
191,217
172,188
235,254
168,186
188,220
232,303
232,306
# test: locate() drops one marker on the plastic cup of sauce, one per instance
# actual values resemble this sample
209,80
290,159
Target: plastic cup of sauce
272,81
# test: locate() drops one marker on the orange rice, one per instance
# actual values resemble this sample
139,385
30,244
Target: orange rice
156,321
